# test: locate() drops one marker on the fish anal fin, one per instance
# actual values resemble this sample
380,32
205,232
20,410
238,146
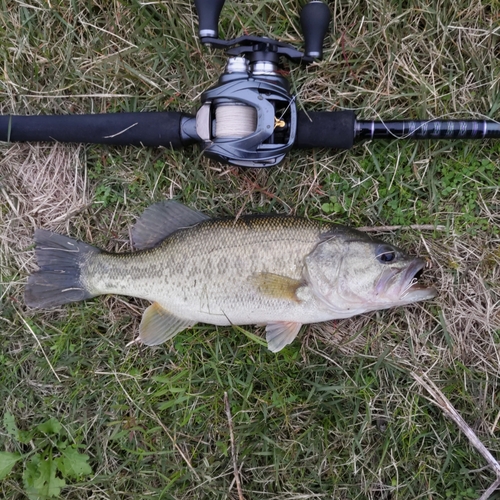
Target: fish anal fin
281,333
159,325
162,219
277,286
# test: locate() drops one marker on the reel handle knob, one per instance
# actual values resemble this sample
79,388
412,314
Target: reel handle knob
314,18
208,15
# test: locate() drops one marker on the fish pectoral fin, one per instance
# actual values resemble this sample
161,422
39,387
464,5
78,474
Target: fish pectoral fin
277,286
159,325
280,334
162,219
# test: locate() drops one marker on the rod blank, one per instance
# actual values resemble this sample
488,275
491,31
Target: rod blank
428,129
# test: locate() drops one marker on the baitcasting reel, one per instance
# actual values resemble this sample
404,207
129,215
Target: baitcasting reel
249,118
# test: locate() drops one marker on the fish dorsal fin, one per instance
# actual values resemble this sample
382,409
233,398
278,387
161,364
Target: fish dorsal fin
281,333
159,325
276,286
162,219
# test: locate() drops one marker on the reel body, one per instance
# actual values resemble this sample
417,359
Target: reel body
249,118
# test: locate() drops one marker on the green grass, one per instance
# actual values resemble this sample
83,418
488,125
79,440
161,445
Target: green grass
336,414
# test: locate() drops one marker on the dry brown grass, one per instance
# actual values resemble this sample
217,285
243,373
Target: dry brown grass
41,186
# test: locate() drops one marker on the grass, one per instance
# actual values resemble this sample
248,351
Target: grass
336,414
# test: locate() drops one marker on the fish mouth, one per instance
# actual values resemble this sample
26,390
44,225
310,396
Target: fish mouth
404,285
412,289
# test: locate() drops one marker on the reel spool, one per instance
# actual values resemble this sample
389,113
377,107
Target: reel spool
234,120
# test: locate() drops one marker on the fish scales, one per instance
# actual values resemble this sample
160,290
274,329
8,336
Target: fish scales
207,270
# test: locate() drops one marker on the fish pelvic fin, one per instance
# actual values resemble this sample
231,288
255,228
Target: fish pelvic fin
281,333
159,325
58,280
162,219
277,286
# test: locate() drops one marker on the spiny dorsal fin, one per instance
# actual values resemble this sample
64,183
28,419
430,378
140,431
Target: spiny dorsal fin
276,286
280,334
162,219
158,325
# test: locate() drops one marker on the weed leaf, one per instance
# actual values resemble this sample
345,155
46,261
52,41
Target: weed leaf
29,475
40,478
73,464
9,422
24,436
51,426
47,483
7,461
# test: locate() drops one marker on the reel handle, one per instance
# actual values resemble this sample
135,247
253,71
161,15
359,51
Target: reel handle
208,17
314,18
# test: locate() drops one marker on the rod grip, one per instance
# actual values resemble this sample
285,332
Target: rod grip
323,129
136,129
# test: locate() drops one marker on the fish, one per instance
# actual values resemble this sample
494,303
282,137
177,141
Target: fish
276,270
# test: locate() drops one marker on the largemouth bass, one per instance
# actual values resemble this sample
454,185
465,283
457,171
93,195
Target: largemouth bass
274,270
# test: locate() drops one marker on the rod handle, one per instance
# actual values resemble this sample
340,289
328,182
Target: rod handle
153,129
325,129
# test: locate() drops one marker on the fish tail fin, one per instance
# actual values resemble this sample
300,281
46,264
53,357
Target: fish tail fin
58,281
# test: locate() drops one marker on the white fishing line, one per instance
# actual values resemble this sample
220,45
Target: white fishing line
235,120
414,281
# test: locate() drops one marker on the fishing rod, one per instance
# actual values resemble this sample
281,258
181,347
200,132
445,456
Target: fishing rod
249,118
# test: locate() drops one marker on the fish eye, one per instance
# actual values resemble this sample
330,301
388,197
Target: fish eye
386,254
